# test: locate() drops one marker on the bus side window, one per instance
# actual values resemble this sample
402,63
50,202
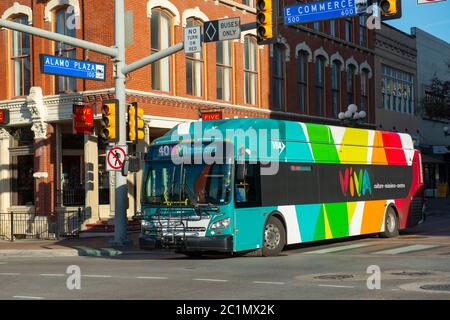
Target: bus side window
247,185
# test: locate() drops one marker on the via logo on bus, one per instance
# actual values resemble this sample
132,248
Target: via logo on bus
355,183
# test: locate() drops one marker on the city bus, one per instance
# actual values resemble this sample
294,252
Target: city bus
258,185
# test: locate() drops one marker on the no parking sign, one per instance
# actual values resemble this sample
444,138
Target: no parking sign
115,158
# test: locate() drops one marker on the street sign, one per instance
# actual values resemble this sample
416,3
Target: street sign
83,118
429,1
222,30
192,39
72,68
316,11
115,158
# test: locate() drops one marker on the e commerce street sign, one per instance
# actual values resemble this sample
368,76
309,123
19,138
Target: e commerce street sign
326,10
72,68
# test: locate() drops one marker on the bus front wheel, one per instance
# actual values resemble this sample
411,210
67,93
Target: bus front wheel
391,226
274,237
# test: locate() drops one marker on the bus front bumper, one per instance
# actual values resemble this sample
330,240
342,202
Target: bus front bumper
190,244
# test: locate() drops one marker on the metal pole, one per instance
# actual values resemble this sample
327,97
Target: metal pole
58,37
121,188
153,58
12,227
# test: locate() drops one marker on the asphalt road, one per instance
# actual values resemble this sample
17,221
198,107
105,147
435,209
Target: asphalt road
418,258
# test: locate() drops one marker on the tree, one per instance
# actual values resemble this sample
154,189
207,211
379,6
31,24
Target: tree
437,99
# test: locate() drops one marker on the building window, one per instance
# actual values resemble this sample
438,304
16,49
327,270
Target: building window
397,89
278,71
194,67
250,3
316,26
362,31
302,77
335,88
350,84
20,58
250,70
333,28
160,39
319,85
65,84
22,167
364,91
348,29
223,70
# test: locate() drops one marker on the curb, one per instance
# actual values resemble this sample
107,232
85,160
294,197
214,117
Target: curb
78,252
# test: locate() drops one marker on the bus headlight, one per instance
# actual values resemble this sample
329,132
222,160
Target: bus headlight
221,224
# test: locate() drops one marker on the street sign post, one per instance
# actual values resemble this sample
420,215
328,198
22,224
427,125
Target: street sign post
72,68
115,158
222,30
192,39
316,11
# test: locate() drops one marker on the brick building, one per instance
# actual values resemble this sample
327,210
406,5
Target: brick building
311,72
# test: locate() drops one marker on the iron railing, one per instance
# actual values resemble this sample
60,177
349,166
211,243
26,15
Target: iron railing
70,197
14,226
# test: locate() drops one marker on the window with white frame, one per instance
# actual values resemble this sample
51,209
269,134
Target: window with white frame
362,31
302,78
160,39
319,85
20,58
351,84
250,70
223,70
278,76
364,90
397,89
62,26
335,88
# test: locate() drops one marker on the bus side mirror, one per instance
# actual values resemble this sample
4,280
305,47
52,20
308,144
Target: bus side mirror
240,172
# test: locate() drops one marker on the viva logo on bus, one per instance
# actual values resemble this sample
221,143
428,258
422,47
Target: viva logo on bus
355,183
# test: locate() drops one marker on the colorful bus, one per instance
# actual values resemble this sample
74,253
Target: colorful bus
278,183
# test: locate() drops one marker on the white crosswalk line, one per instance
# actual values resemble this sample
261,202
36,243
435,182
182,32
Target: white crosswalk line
340,248
411,248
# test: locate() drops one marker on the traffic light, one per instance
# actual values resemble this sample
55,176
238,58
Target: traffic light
109,120
135,122
390,9
264,21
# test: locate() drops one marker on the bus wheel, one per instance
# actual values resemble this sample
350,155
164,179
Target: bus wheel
274,237
390,224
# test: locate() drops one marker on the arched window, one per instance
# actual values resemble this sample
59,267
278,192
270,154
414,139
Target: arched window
250,70
302,78
223,70
350,84
194,67
63,25
335,88
20,58
364,90
160,39
278,75
319,85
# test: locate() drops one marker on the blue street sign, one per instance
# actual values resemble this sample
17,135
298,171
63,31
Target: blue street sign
72,68
315,11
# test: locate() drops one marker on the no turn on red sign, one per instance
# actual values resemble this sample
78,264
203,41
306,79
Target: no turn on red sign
115,158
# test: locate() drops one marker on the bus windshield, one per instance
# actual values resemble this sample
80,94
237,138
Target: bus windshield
168,184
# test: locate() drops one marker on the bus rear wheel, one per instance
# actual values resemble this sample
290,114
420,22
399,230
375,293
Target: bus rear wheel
274,237
391,226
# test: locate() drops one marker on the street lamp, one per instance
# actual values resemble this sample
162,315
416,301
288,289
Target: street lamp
445,129
352,117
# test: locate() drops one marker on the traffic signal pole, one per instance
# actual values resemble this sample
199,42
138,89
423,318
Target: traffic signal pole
117,53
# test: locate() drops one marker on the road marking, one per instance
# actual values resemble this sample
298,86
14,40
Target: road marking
415,247
28,297
334,286
52,275
340,248
96,276
268,282
153,278
9,274
211,280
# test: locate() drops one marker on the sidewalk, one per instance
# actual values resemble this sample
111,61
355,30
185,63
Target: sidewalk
95,247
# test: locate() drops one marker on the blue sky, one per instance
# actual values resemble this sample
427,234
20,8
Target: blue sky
434,18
